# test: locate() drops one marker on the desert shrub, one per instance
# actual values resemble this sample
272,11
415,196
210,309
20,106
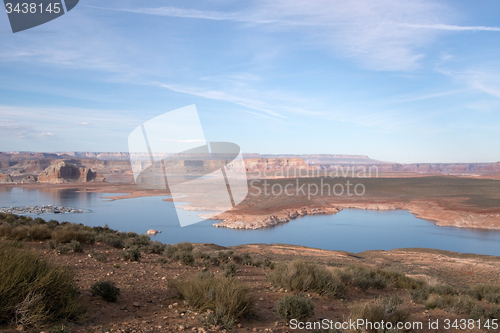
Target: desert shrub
294,307
460,304
66,235
51,245
229,269
224,256
420,295
488,292
156,247
444,289
132,254
161,260
363,278
142,240
110,240
400,280
186,246
33,291
227,298
75,246
19,233
5,230
39,232
185,258
300,276
386,309
243,259
201,255
170,250
101,257
132,234
106,289
62,248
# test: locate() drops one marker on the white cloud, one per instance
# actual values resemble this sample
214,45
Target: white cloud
85,123
380,35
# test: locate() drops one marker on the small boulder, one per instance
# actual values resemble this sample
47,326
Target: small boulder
153,232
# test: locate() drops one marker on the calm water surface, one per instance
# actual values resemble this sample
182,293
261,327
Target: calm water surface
349,230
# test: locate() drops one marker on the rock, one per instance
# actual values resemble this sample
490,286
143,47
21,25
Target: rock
153,232
66,172
136,304
6,179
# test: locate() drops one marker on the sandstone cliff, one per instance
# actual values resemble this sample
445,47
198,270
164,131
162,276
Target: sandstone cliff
5,179
67,172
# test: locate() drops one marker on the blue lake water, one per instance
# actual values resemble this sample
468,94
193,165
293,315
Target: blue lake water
350,230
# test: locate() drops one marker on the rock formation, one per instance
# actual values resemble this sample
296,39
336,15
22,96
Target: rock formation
67,172
5,179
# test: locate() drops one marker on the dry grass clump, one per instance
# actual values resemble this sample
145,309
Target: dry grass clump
386,309
33,291
363,277
300,276
106,289
225,298
487,292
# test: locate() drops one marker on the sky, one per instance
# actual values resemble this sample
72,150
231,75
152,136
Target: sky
402,81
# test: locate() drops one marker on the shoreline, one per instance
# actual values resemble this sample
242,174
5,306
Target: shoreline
246,219
429,211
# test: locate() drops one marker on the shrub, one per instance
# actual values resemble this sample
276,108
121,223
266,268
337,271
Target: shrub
186,246
33,291
400,280
110,240
75,246
101,257
488,292
301,277
170,250
243,259
294,307
161,260
40,232
132,254
142,240
224,256
387,310
106,290
19,233
363,278
66,235
420,295
461,304
443,289
62,248
227,298
156,247
229,269
185,258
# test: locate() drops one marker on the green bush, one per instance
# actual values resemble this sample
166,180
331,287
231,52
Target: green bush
33,291
227,298
106,289
101,257
66,235
110,240
294,307
400,280
243,259
142,240
302,277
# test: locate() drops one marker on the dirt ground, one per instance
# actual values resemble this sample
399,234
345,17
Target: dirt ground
147,304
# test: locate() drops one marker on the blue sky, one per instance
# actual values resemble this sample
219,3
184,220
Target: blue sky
412,81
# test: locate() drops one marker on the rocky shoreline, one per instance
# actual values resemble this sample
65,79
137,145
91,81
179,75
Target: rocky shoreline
46,209
427,211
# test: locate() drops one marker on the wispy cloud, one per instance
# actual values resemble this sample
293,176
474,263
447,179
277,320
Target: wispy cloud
449,27
370,32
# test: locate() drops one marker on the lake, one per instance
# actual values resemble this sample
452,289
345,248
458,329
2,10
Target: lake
350,230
